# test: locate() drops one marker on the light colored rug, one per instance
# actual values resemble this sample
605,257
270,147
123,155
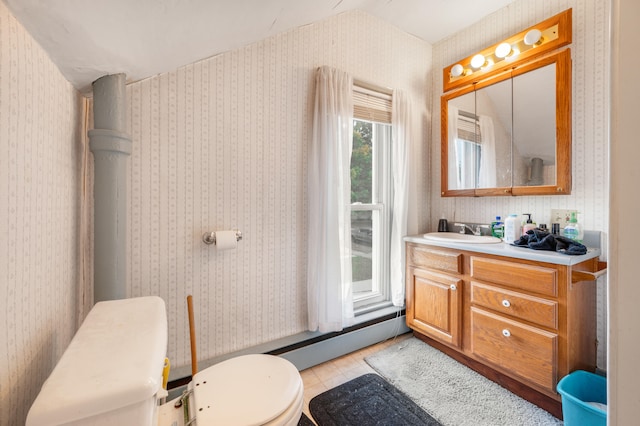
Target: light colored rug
452,393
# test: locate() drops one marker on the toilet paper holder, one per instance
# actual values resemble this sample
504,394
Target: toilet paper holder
210,237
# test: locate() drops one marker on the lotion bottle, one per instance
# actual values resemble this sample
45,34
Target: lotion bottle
529,225
512,229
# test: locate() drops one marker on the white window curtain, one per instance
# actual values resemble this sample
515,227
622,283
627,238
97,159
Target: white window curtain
487,175
452,131
401,152
467,153
329,281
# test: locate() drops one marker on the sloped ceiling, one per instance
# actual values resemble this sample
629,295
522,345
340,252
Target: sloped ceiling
91,38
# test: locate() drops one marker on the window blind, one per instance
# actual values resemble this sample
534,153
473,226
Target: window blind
371,105
468,127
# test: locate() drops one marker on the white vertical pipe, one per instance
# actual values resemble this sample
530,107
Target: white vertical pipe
110,146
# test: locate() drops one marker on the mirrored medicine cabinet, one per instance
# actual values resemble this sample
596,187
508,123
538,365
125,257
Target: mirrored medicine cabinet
509,132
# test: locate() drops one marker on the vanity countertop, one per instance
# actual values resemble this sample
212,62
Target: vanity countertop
508,250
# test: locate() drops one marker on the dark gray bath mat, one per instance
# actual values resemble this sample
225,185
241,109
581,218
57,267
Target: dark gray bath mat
305,421
367,400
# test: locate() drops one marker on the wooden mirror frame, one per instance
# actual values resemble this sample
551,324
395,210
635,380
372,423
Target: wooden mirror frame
562,185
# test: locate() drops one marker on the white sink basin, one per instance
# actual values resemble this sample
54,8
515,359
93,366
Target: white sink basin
453,237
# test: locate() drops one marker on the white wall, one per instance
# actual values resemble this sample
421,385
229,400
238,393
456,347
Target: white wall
624,291
222,144
41,151
590,119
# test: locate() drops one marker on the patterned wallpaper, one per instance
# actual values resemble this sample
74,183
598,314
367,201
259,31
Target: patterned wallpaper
590,55
41,122
222,144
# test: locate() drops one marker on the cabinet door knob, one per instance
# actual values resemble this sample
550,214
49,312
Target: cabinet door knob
506,333
506,303
453,287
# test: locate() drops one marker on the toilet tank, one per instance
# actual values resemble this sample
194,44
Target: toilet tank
111,371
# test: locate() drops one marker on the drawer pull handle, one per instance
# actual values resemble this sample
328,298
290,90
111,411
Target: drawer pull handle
506,333
453,287
506,303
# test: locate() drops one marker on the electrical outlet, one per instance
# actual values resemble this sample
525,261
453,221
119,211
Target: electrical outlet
561,216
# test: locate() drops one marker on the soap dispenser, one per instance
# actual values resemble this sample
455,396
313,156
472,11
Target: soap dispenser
573,230
529,225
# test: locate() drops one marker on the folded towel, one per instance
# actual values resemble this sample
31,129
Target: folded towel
540,240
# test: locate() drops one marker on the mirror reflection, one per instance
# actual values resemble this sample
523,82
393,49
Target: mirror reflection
493,106
464,149
480,138
534,123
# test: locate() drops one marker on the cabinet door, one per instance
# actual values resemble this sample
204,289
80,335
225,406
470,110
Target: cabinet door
434,303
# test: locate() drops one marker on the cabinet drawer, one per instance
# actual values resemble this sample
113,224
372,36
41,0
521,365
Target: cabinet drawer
529,308
436,259
537,279
514,347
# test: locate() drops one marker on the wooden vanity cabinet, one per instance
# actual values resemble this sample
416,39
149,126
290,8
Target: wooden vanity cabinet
523,319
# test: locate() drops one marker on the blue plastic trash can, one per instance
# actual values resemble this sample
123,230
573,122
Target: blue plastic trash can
584,399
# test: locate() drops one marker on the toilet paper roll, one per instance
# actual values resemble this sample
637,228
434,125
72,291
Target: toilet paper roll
226,240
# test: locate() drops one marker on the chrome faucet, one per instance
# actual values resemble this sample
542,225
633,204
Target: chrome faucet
465,227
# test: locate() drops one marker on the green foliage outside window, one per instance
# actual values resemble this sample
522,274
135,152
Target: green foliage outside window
361,162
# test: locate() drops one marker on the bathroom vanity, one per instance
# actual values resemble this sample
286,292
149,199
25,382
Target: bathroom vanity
521,317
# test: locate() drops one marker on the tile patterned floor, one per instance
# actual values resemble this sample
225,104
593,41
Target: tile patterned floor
332,373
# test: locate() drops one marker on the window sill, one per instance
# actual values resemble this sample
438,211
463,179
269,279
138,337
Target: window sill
375,311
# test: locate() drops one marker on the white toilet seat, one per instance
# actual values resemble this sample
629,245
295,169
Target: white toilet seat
248,390
291,416
169,415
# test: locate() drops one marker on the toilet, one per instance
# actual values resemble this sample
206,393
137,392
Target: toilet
111,374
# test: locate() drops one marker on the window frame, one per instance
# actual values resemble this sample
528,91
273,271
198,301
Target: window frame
381,199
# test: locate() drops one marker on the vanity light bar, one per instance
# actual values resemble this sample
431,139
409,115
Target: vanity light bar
541,38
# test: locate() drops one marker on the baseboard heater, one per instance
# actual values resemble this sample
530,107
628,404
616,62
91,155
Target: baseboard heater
308,352
334,345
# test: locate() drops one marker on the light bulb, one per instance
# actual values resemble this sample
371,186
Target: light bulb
457,70
477,61
532,37
503,50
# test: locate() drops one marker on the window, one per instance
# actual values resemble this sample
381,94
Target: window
468,146
371,197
